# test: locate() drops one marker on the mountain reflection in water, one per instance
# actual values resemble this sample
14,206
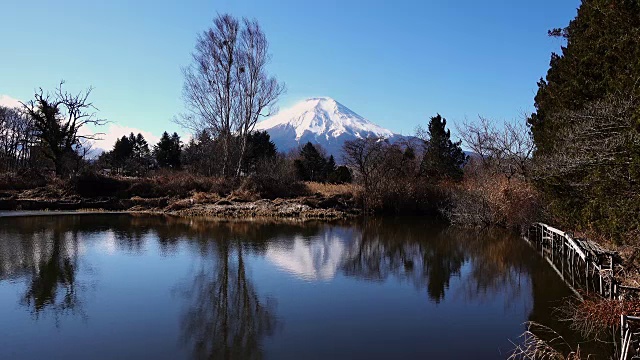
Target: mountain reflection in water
120,286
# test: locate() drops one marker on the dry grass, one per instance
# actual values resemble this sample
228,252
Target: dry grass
488,199
17,182
595,317
333,189
162,184
540,342
205,197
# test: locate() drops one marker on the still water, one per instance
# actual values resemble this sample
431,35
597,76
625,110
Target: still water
149,287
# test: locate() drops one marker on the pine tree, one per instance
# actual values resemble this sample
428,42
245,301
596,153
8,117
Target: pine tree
122,150
442,158
311,166
200,154
140,148
260,148
130,155
600,58
168,151
585,127
330,166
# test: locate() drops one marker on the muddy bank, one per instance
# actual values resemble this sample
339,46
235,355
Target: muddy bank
307,207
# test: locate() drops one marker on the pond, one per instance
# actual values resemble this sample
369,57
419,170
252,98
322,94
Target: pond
154,287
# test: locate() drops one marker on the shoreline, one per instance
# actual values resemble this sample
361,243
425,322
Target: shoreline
316,207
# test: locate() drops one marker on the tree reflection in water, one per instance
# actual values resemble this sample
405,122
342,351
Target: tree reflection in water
225,318
45,252
429,256
53,284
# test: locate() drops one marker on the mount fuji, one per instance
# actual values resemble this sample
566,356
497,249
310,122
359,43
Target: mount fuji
320,120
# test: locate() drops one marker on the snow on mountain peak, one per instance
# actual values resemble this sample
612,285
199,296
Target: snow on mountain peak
320,120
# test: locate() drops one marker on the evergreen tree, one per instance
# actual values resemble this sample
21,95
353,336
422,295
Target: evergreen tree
311,166
130,155
600,58
586,124
141,150
260,148
200,154
330,166
122,150
341,175
442,158
168,151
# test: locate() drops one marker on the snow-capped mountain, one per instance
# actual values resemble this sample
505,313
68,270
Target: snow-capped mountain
314,258
320,120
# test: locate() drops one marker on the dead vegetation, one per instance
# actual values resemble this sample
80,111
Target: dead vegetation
327,189
540,342
487,199
595,317
185,194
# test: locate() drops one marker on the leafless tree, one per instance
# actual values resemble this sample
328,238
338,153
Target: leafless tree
227,87
365,156
57,118
495,190
258,91
15,139
600,139
507,149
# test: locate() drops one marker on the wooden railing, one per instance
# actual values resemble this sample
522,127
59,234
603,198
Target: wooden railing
572,258
582,265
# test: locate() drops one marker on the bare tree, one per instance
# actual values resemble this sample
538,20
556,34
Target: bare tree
495,190
15,138
507,150
601,140
56,120
366,156
227,87
258,91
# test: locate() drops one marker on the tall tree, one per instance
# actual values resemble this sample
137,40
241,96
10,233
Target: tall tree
585,127
57,119
366,156
442,158
311,165
200,155
227,87
600,58
15,138
168,151
260,148
130,155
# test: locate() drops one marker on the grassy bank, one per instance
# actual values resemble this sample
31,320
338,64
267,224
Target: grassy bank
180,193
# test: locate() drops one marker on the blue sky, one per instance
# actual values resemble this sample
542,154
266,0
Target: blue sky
394,62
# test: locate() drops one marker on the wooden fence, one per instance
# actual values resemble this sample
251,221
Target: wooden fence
586,267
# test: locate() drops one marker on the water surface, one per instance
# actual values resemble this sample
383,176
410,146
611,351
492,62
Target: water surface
131,287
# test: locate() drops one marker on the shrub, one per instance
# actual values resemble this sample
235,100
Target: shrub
485,198
22,181
274,179
92,184
178,184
